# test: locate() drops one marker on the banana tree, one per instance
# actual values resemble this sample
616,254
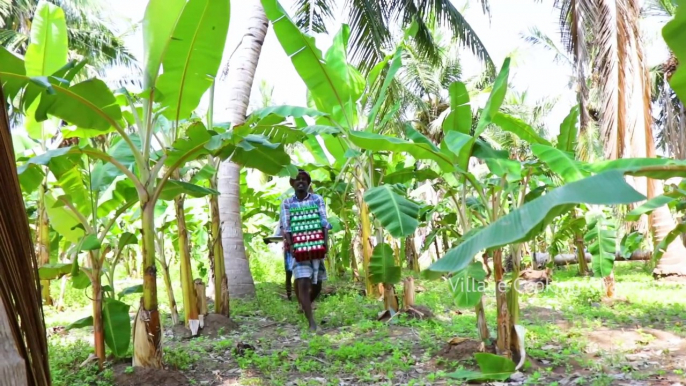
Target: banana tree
346,116
181,56
606,187
85,216
46,53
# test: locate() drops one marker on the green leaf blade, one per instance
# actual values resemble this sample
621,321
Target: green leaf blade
48,48
193,56
522,223
396,213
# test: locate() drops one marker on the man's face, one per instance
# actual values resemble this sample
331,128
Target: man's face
301,183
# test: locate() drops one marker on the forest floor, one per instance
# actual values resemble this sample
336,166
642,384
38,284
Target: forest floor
572,338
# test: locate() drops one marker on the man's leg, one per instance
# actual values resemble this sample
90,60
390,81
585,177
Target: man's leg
302,272
317,288
288,266
304,285
289,277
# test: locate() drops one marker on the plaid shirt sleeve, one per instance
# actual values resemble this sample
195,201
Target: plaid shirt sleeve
284,218
322,212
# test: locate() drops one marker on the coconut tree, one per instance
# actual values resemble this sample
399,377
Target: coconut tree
625,129
241,75
374,23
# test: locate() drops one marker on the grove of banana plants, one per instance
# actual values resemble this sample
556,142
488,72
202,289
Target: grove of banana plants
407,224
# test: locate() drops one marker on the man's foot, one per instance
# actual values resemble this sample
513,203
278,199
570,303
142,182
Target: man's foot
313,327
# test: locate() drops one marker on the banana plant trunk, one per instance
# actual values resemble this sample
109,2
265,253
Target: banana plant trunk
147,330
43,242
365,239
174,313
354,253
221,286
581,254
240,77
513,302
503,341
98,329
190,309
390,298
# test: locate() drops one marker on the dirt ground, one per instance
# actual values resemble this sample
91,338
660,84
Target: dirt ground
646,350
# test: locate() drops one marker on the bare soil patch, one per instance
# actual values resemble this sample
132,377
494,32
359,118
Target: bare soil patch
147,377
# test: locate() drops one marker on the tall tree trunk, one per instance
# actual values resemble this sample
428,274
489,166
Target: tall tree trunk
12,366
673,262
241,76
190,310
609,63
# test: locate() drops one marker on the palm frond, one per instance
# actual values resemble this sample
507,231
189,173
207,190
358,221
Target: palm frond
316,17
536,37
609,72
664,8
369,33
373,25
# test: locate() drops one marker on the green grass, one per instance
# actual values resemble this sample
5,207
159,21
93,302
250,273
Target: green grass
353,347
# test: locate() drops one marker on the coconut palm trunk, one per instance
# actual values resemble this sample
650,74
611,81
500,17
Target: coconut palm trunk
627,130
240,77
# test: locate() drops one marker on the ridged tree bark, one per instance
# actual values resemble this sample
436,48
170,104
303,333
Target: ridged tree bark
240,77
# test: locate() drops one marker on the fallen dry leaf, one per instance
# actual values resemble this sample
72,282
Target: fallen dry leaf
456,341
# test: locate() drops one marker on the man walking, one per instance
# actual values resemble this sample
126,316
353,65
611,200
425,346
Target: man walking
303,272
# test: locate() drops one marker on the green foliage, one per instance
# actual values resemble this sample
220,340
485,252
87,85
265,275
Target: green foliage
601,241
191,56
396,213
136,289
117,326
519,128
674,33
630,243
650,205
460,117
378,142
326,85
560,162
53,271
468,285
567,139
493,368
47,50
526,221
382,265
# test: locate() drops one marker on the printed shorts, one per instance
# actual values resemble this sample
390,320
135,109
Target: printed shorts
305,270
